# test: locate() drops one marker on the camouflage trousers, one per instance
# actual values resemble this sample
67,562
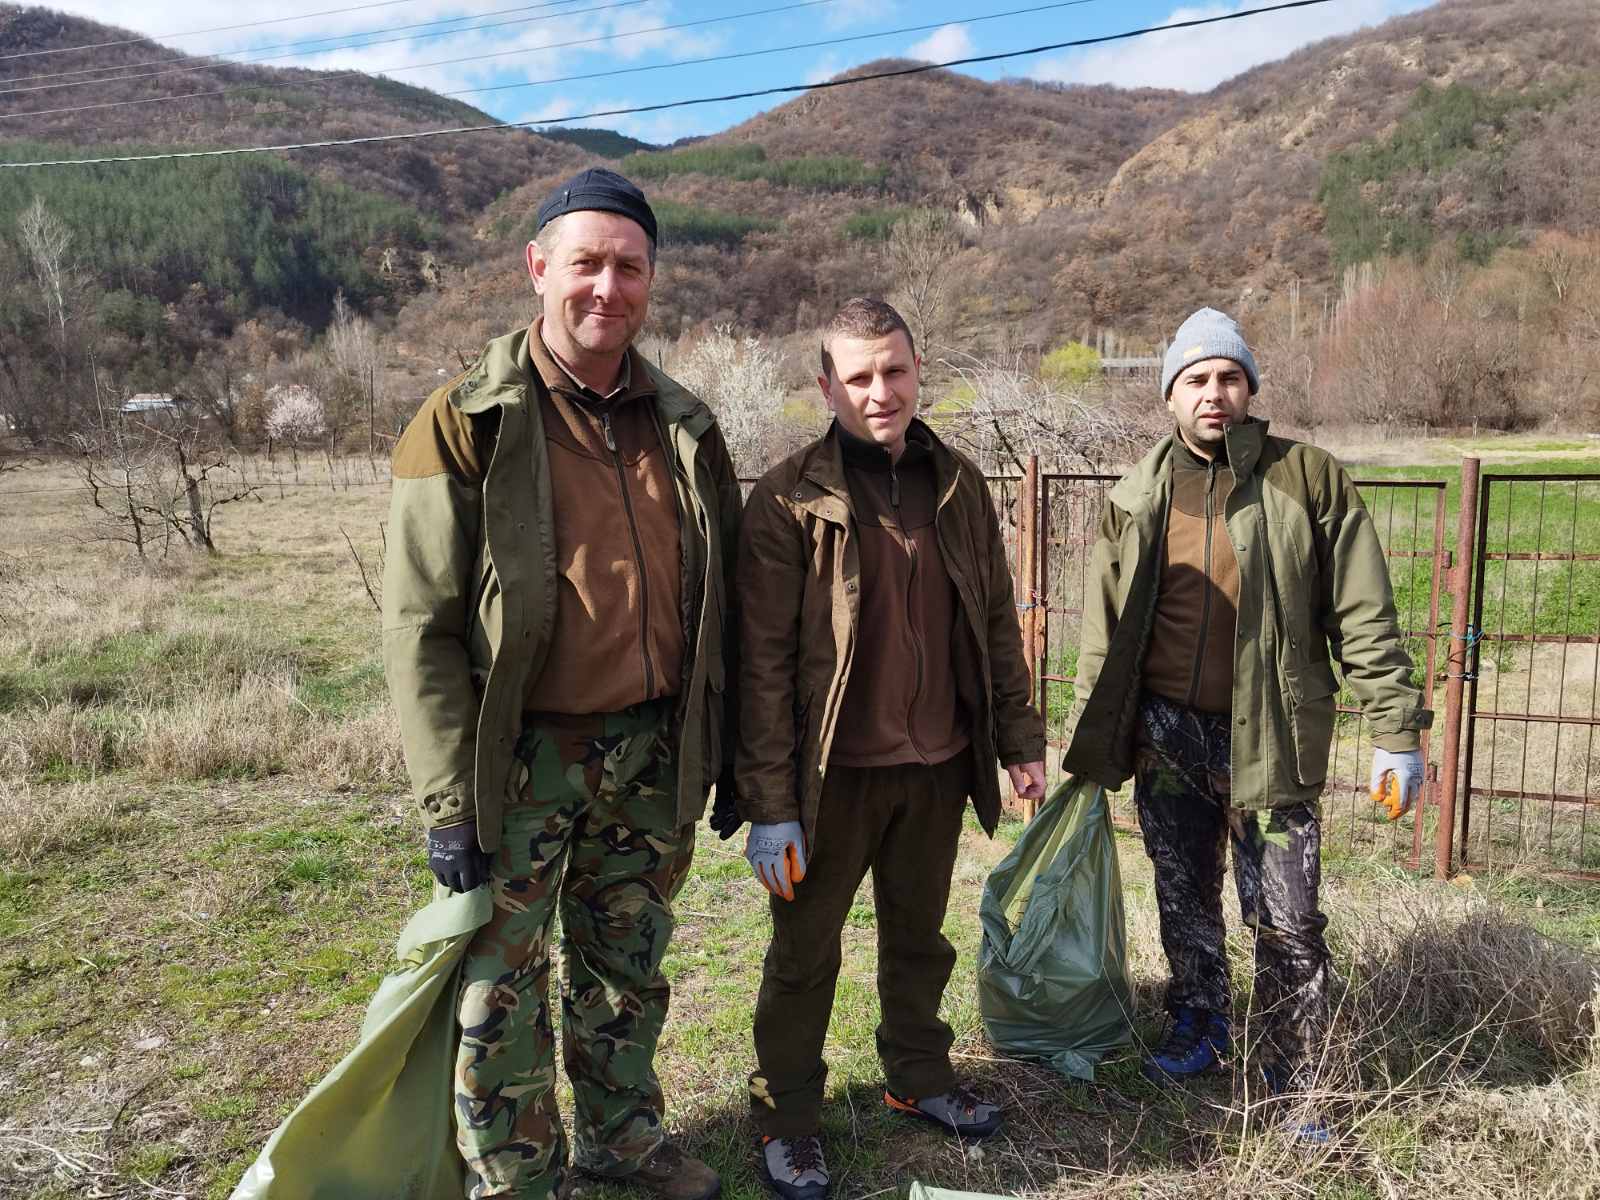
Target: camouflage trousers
1182,783
593,835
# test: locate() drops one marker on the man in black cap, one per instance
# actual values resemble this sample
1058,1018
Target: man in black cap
557,640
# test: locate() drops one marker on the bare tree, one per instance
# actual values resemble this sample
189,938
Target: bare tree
152,486
1011,414
742,380
920,252
45,243
352,347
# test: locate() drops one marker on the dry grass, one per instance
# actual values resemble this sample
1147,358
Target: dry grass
205,853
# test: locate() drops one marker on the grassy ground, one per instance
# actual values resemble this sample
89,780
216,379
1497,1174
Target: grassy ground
205,856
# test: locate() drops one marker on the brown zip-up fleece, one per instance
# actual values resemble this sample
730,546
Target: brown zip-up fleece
617,543
1190,659
901,705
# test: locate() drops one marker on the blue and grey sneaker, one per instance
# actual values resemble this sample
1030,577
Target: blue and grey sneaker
1297,1116
1197,1041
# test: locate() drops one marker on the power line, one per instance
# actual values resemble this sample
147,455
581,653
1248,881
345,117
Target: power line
788,89
154,37
257,53
526,83
192,69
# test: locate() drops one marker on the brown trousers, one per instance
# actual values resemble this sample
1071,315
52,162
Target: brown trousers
903,823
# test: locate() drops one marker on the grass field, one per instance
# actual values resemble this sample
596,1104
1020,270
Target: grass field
206,853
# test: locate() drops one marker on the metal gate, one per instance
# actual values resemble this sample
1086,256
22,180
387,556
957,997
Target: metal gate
1531,773
1519,657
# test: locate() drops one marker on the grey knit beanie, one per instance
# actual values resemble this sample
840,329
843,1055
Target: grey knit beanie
1207,334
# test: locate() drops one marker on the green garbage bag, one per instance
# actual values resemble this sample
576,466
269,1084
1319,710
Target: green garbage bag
378,1126
1053,978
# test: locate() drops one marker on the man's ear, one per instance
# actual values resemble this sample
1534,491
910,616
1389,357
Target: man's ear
827,391
537,264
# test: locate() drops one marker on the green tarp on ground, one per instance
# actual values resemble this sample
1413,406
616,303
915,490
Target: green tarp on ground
1053,978
378,1126
922,1192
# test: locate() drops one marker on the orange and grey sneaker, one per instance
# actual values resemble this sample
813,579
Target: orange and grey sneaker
793,1167
957,1111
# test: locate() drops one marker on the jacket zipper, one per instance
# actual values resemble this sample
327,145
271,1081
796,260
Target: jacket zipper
1205,602
911,591
638,557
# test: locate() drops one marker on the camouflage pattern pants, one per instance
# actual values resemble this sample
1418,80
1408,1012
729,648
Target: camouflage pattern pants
593,834
1181,789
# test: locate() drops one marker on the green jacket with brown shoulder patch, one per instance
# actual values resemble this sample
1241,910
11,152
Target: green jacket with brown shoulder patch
1313,582
469,585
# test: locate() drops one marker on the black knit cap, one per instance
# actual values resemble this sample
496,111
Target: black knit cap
598,190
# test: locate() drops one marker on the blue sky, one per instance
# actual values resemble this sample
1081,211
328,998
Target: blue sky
540,40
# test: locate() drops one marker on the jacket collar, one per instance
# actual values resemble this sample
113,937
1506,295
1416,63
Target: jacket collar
1140,487
504,373
824,466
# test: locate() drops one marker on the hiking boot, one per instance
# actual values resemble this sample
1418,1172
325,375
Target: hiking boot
957,1111
672,1175
1197,1041
1296,1115
793,1167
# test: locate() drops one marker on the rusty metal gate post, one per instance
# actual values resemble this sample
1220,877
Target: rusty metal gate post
1451,772
1030,571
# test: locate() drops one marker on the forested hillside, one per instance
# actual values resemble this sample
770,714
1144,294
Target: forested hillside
1465,136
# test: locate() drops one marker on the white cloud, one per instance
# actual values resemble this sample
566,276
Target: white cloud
825,68
943,44
842,14
1196,60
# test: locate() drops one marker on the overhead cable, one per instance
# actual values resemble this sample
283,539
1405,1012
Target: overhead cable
667,105
246,55
732,56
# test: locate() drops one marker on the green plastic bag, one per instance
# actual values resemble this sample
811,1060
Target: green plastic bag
378,1126
1053,978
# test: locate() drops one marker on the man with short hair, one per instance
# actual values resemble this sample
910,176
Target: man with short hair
557,607
881,677
1228,565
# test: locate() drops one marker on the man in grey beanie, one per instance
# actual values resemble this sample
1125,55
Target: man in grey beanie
1228,564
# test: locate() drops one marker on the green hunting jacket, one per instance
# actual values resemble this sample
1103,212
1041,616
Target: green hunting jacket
469,588
1313,582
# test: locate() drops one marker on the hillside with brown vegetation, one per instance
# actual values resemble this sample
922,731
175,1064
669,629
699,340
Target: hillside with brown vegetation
1468,129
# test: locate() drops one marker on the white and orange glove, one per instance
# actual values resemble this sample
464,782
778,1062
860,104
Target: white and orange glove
777,854
1396,780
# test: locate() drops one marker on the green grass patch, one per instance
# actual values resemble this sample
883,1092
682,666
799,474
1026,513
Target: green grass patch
821,173
875,224
692,225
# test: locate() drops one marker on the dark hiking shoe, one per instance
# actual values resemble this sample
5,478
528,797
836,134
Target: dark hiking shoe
957,1111
1296,1114
793,1167
1197,1041
670,1174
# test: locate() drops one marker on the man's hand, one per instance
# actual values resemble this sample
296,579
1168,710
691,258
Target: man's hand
1396,780
725,819
454,857
777,855
1027,780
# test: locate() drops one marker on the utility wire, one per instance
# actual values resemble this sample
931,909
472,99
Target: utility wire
192,68
166,37
921,68
527,83
258,53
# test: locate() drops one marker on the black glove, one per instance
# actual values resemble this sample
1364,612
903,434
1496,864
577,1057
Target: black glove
725,819
454,857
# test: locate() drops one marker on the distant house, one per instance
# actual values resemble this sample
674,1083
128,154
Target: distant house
1130,368
150,404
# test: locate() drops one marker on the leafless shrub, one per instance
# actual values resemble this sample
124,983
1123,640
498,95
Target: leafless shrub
1005,413
742,380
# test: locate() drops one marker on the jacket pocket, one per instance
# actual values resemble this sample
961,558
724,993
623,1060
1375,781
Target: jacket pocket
1311,688
716,689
